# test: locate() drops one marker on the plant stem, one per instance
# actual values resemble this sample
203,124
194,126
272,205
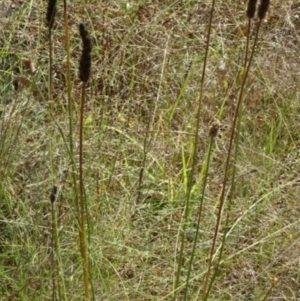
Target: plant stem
70,106
227,166
194,157
208,160
83,246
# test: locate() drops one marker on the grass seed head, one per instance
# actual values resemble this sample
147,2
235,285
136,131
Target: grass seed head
85,60
53,194
251,8
51,11
263,8
214,128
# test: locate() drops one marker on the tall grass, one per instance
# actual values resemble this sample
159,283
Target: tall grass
84,75
149,158
193,167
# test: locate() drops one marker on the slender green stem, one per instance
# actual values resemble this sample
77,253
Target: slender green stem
247,43
53,261
227,167
51,105
194,157
56,254
84,252
55,283
70,106
208,160
232,185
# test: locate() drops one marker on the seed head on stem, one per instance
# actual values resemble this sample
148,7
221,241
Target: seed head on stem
51,11
53,194
251,8
263,8
85,60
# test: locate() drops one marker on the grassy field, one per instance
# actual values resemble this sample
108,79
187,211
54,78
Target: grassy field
154,170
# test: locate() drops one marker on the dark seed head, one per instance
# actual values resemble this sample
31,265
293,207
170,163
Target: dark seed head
53,194
51,11
85,60
263,8
251,8
214,128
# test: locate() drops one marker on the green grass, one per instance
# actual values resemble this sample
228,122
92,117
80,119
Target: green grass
146,72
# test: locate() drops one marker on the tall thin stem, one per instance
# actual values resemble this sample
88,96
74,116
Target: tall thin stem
194,157
82,202
227,167
70,105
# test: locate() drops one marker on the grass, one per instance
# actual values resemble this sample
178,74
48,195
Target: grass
140,111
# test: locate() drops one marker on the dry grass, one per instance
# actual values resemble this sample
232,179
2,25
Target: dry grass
147,59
